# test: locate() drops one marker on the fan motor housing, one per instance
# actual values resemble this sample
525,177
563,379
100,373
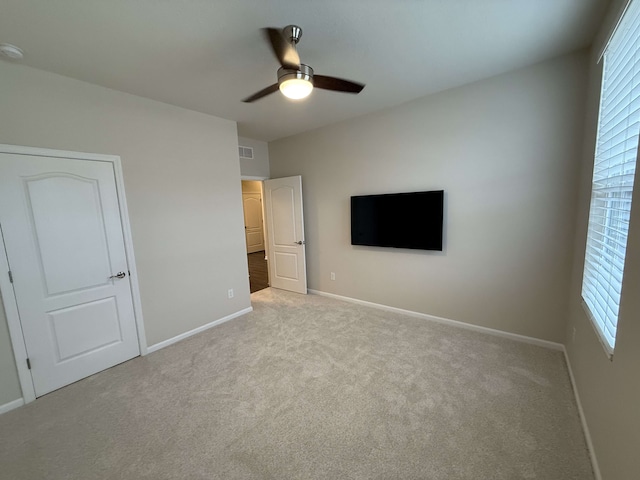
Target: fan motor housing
305,72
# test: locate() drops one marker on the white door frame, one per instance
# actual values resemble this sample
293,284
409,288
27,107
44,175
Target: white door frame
6,288
251,177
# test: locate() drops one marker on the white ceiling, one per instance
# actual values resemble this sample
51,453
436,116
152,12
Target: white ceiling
207,55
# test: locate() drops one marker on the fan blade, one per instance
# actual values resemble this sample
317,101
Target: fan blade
336,84
262,93
284,51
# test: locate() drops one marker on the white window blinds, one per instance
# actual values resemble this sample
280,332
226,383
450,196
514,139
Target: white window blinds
613,174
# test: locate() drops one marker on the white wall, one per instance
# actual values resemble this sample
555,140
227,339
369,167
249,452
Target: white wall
609,390
258,166
505,150
182,180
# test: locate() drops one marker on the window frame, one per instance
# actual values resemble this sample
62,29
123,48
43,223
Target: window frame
612,217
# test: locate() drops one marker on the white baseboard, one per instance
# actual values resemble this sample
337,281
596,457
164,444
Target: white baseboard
583,419
455,323
7,407
190,333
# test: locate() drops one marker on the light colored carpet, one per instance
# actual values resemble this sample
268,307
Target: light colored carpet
310,388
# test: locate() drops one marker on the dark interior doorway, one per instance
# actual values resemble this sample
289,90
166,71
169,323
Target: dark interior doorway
258,276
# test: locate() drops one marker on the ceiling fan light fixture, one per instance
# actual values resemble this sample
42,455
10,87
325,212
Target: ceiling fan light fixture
296,84
296,88
295,79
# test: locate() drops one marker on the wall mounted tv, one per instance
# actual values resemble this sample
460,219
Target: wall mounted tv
400,220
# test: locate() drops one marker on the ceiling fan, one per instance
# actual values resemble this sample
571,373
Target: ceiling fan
296,80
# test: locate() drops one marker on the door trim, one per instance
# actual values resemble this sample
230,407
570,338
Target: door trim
250,177
6,288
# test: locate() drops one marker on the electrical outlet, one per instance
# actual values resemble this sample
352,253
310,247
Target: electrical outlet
230,293
573,337
333,275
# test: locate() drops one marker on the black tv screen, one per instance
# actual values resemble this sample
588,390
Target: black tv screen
401,220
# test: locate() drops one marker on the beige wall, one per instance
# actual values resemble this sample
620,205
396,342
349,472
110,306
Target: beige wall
609,390
258,166
182,181
505,150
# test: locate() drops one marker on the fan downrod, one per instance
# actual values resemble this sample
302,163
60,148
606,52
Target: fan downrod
292,33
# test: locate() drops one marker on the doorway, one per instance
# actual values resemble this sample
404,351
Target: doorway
252,206
281,238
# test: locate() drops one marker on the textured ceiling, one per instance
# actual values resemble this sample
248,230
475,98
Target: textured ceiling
207,55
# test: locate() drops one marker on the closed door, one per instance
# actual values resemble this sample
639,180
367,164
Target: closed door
63,238
252,206
285,233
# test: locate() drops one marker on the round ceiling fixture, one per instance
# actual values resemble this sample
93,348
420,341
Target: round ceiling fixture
11,51
295,84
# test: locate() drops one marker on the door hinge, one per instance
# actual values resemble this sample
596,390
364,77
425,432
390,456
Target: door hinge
129,272
10,276
28,364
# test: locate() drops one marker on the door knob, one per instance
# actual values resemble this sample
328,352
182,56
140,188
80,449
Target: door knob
118,275
299,242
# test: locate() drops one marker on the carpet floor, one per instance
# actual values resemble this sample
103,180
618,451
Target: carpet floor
307,387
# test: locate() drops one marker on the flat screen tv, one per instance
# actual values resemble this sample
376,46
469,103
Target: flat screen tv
400,220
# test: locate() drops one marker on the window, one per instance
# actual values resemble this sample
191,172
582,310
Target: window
613,174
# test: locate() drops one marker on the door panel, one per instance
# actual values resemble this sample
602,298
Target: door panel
284,215
81,329
63,235
286,265
285,233
254,241
68,262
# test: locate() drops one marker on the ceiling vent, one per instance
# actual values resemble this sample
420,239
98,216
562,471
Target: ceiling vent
245,152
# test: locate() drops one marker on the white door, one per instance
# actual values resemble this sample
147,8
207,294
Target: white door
63,237
252,206
285,233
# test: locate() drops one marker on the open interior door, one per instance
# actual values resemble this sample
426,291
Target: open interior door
285,234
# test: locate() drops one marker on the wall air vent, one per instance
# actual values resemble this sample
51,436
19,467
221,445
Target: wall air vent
245,152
